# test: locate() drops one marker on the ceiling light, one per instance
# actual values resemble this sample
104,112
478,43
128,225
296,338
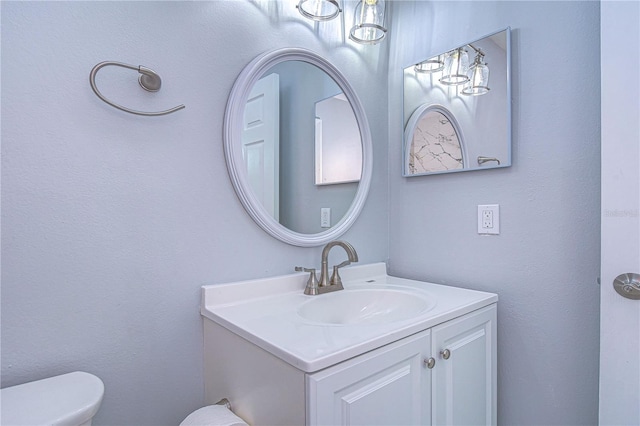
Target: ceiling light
319,10
368,26
434,64
478,83
456,66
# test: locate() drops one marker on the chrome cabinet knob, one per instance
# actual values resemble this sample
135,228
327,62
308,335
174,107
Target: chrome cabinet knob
445,354
430,363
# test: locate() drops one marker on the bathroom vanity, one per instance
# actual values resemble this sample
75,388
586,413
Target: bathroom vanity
383,351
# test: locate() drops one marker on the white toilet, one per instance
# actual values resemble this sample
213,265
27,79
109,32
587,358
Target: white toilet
70,399
73,399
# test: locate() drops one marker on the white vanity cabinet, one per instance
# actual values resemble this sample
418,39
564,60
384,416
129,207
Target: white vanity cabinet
395,386
426,357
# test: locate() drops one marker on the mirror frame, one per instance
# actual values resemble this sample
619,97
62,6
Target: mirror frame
232,135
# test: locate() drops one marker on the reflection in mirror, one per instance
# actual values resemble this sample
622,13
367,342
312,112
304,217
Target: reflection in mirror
435,141
261,142
457,81
338,147
279,154
284,145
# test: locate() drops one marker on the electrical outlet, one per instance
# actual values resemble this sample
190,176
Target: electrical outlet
325,217
489,219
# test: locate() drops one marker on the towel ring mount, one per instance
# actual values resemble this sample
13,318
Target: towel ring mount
149,80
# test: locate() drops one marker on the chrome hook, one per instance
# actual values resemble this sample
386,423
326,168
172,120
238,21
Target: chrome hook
149,80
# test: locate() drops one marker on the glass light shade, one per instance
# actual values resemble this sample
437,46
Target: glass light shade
478,83
368,26
319,10
432,65
456,66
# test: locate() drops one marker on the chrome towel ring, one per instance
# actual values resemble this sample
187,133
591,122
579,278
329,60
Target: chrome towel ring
149,80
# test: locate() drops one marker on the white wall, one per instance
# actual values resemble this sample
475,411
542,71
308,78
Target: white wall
110,221
545,262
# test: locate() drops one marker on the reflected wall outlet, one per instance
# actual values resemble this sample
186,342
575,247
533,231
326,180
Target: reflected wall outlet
325,217
489,219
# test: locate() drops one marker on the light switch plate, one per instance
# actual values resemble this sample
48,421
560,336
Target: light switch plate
489,219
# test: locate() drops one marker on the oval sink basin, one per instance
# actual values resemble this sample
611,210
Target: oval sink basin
364,306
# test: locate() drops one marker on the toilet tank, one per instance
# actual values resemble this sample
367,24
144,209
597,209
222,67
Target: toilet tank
68,400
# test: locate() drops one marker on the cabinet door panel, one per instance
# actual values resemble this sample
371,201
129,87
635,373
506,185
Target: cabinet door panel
388,386
385,398
464,385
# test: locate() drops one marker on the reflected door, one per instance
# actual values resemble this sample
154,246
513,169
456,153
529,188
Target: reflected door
261,142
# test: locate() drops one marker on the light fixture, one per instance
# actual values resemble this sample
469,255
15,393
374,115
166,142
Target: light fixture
456,66
429,66
368,23
319,10
478,83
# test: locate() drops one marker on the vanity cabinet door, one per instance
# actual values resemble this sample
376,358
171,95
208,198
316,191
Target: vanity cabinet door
464,377
387,386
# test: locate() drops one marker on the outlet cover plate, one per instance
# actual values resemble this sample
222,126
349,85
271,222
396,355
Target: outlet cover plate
488,219
325,217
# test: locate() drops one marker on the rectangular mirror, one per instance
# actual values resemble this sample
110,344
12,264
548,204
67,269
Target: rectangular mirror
457,108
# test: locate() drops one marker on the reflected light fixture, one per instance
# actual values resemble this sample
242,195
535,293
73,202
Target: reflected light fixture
429,66
368,26
478,83
319,10
456,66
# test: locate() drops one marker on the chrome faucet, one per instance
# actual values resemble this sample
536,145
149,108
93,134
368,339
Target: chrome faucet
324,271
326,284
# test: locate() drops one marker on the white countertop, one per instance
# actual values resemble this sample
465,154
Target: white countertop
265,312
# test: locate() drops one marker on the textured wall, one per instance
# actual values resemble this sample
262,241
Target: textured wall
545,262
110,221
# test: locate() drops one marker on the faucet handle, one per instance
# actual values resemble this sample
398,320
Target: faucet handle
335,277
312,283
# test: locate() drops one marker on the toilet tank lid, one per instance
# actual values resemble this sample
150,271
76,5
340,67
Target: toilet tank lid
68,399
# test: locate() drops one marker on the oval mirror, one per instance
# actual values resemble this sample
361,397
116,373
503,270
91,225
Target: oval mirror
298,147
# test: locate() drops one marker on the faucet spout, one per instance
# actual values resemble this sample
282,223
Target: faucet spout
324,272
